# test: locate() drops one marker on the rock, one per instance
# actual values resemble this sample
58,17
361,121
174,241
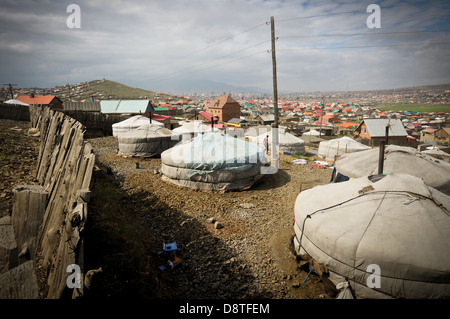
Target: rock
247,205
218,225
89,275
211,220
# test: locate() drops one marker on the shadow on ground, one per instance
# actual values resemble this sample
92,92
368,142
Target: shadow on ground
125,235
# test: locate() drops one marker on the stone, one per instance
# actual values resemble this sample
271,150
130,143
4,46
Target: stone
218,225
247,205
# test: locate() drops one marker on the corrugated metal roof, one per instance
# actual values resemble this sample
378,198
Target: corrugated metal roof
125,106
377,127
267,118
133,106
82,106
109,106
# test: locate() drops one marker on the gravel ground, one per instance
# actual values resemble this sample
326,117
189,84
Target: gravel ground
251,256
18,159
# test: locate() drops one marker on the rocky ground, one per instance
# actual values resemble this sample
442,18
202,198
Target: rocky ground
133,213
250,256
18,157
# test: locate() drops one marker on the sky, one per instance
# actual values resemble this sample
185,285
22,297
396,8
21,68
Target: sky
172,45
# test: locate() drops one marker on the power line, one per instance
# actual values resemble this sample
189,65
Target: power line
363,46
221,57
356,34
213,66
215,43
355,11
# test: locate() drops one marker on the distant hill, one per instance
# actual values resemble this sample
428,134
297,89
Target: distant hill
214,88
103,90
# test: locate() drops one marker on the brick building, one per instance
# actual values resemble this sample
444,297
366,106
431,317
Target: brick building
225,108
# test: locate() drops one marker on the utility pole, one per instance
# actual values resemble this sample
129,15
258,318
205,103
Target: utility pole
275,158
274,71
68,87
11,89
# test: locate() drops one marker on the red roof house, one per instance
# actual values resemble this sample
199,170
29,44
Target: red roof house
42,100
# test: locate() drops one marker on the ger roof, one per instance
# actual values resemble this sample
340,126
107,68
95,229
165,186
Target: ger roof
377,127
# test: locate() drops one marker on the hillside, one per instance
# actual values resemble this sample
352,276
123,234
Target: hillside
103,90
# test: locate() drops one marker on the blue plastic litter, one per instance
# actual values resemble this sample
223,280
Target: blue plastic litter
170,247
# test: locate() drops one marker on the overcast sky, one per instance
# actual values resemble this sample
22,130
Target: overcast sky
321,45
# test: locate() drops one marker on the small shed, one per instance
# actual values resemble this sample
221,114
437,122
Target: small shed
265,119
375,129
41,100
126,106
82,106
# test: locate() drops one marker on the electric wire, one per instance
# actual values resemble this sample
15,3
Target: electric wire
190,70
214,44
354,11
356,34
364,46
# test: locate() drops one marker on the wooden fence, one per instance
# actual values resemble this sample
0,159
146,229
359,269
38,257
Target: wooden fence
49,218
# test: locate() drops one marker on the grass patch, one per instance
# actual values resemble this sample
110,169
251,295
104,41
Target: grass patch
119,91
416,107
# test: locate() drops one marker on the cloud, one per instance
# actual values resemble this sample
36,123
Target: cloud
147,43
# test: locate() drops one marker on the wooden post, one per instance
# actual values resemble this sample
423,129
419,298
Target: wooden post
386,137
381,158
30,203
274,71
275,96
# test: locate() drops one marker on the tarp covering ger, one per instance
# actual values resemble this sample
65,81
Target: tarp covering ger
133,123
146,141
188,130
396,228
213,161
337,147
286,141
397,159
